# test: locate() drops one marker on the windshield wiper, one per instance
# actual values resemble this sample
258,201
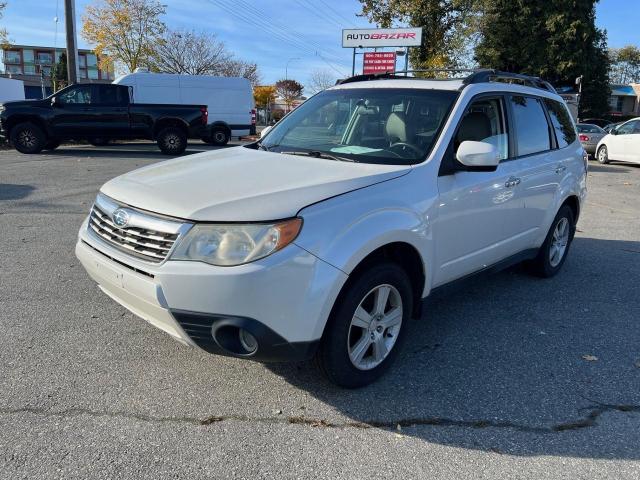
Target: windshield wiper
317,154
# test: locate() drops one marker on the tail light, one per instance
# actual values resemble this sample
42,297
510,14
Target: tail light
253,116
204,115
584,138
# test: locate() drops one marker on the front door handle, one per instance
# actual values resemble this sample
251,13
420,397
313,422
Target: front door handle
561,168
512,182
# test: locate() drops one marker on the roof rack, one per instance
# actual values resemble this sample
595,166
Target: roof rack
476,76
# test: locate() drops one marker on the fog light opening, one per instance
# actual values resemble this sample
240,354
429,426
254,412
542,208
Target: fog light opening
247,341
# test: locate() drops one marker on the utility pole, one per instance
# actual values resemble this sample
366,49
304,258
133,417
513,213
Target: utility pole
72,48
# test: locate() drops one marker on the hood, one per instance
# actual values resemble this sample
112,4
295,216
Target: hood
242,185
26,103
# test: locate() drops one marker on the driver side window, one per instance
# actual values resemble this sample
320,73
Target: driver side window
77,95
484,121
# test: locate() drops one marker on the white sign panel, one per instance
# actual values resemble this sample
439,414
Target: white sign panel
382,37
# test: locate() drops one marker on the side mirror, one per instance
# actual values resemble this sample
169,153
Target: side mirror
614,131
264,131
478,156
55,102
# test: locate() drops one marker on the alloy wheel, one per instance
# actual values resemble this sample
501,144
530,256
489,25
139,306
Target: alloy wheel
374,327
559,242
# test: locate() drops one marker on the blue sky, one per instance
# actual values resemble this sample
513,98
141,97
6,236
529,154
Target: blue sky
271,32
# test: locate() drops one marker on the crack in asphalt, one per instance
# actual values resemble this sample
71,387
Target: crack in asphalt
589,420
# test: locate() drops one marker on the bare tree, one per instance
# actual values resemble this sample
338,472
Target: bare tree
240,68
320,80
4,36
188,52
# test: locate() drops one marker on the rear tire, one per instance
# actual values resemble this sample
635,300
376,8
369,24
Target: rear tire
603,155
555,248
27,138
365,331
172,141
98,141
220,136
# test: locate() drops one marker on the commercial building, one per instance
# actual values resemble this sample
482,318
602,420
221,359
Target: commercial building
32,65
625,99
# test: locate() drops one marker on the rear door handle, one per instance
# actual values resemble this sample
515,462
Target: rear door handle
512,182
561,168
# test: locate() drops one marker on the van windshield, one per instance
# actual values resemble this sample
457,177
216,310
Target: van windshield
372,125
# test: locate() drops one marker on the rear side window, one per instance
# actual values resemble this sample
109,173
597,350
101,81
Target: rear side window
532,129
113,95
562,123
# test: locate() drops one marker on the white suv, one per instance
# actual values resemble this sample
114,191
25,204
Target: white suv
321,239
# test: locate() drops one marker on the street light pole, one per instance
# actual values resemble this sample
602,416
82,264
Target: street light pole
72,49
286,67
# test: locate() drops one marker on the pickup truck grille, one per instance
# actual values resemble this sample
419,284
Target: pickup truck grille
151,245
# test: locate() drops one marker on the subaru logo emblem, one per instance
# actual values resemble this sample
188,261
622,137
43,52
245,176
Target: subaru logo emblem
120,217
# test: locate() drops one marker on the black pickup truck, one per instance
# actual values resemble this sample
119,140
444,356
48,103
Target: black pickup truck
98,113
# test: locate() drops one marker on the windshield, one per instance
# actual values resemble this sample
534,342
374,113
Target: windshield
373,125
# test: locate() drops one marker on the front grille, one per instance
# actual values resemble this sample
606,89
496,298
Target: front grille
152,245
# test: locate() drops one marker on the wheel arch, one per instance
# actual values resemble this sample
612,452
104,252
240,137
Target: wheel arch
16,119
169,122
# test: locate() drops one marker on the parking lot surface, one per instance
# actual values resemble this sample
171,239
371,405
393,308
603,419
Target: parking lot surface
512,377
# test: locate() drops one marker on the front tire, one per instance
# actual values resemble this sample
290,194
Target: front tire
28,138
603,155
367,326
172,141
555,248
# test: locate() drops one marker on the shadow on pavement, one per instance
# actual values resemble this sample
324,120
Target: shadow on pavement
15,192
504,360
129,150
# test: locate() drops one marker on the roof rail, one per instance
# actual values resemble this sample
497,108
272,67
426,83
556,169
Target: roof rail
489,75
476,76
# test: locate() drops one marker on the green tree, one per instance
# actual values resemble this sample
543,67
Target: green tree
59,74
555,39
445,26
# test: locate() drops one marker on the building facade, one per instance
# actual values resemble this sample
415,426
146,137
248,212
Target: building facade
625,99
32,65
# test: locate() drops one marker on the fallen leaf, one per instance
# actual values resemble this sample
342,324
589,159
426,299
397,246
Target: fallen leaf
399,427
590,358
277,412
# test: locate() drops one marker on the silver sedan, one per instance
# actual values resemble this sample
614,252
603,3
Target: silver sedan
590,135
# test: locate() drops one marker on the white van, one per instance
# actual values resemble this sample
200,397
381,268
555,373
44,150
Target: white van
229,99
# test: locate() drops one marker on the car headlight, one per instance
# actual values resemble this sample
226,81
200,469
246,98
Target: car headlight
234,244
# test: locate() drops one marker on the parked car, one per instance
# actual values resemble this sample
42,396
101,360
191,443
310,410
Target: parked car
589,136
621,144
601,122
229,100
322,238
98,112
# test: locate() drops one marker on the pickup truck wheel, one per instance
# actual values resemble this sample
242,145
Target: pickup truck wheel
366,328
98,141
27,137
51,145
555,248
172,141
219,136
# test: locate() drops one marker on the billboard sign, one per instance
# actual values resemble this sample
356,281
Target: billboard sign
381,37
379,62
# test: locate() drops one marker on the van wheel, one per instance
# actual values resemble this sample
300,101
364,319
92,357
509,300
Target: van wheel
98,141
366,329
555,248
603,155
27,137
219,136
51,145
172,141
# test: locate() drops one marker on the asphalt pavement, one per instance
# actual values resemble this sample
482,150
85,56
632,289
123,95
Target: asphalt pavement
512,377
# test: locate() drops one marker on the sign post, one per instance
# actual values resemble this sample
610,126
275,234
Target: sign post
380,37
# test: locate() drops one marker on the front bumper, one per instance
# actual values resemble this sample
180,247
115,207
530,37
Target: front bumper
283,300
